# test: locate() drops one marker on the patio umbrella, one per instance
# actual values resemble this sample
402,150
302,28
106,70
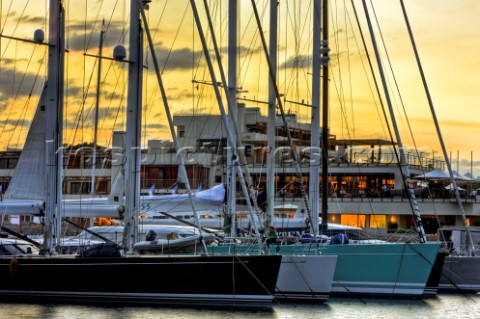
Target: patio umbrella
438,174
460,176
450,186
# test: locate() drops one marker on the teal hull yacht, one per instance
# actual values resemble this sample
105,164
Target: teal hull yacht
364,269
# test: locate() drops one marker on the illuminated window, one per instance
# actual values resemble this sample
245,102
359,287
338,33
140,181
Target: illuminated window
353,220
378,221
334,218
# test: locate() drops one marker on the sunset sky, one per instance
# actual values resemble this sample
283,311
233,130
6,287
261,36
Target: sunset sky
445,31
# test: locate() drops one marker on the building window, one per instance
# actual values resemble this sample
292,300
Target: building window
181,131
101,187
87,162
8,163
12,162
80,187
378,221
353,220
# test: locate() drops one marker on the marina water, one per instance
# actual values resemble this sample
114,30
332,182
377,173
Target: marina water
443,306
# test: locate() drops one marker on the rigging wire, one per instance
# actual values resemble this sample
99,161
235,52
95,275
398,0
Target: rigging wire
175,39
197,87
169,54
17,94
416,220
111,100
395,82
369,60
299,63
337,82
201,88
340,94
155,92
25,108
412,136
340,88
250,50
352,113
6,15
81,116
452,179
16,25
384,122
14,66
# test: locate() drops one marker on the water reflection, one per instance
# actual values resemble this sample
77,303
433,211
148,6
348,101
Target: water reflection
442,306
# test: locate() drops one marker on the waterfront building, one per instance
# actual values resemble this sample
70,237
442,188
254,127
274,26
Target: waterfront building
365,184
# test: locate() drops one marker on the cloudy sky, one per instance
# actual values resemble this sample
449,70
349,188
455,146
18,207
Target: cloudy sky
445,32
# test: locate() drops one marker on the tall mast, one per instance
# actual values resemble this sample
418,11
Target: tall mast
54,126
271,74
325,130
181,167
97,106
134,117
314,182
233,22
238,155
229,131
272,112
95,122
403,161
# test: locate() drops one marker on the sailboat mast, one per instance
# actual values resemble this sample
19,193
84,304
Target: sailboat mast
229,131
95,121
403,161
181,167
439,132
133,137
238,157
282,111
59,153
97,106
325,130
272,113
314,180
53,138
233,22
